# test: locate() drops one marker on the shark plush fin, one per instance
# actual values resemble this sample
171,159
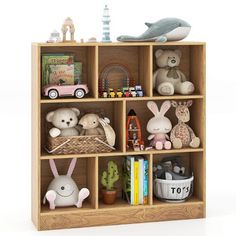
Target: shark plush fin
148,24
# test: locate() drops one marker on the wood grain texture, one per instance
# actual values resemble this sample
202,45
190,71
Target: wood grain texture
138,57
122,216
35,163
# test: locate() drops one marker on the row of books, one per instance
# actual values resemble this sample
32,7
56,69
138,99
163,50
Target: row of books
135,184
57,67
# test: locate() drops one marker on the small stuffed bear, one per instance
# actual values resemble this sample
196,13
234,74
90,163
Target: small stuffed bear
64,121
90,125
168,78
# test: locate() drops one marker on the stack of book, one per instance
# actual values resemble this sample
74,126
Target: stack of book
57,67
135,180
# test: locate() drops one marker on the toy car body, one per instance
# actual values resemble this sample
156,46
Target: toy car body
132,91
62,90
119,94
111,93
139,91
104,94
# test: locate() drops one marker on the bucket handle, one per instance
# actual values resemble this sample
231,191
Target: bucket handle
62,144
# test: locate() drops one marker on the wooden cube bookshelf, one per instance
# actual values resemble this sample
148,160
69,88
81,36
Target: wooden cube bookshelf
139,59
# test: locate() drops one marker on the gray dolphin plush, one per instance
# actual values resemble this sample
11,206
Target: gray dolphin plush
167,29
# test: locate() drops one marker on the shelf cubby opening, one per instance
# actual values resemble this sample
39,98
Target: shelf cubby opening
191,64
87,55
112,110
193,163
135,59
144,115
84,175
120,200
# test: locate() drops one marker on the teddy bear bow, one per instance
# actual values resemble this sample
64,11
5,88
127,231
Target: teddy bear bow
172,73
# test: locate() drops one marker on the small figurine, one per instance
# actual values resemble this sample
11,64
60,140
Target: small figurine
92,40
159,126
106,28
68,23
63,191
182,135
54,37
108,179
139,91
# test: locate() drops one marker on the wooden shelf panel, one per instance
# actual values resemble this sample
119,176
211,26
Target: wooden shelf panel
121,214
46,156
90,99
76,44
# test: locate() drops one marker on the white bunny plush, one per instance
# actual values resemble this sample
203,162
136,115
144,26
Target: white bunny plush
159,126
63,191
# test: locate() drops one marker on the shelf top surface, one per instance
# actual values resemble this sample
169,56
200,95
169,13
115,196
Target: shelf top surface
174,43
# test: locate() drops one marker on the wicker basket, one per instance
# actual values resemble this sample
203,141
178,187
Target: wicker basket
78,144
173,190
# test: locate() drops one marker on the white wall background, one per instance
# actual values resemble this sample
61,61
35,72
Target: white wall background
23,22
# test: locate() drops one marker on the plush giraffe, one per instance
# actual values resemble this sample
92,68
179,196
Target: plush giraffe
182,135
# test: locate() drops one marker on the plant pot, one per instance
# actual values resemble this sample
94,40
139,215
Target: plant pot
109,196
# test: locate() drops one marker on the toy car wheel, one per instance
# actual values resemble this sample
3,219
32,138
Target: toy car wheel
53,94
79,93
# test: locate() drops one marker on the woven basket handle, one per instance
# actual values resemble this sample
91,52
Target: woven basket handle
53,150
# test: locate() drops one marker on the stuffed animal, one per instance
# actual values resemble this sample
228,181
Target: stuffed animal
166,29
159,126
63,191
91,125
182,135
64,121
168,78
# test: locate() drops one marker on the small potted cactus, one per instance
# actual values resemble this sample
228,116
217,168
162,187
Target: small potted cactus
108,179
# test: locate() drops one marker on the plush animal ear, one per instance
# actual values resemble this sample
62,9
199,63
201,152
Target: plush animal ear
165,107
50,116
174,104
76,111
178,52
158,52
189,103
53,167
71,167
153,107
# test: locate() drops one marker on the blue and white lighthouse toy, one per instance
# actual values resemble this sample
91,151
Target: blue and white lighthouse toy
106,25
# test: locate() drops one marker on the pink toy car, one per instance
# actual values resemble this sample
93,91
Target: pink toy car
54,91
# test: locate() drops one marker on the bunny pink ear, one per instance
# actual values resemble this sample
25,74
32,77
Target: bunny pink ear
153,107
71,167
53,167
165,107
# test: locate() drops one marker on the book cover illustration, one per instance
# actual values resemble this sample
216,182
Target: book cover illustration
60,61
145,182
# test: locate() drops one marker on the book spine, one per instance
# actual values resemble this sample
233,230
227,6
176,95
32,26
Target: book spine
132,180
141,171
136,183
145,182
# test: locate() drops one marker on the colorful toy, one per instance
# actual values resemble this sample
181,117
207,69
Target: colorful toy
159,126
106,28
167,29
133,132
119,94
132,92
111,93
64,121
108,179
168,78
54,37
68,24
126,92
182,135
139,91
63,191
54,91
